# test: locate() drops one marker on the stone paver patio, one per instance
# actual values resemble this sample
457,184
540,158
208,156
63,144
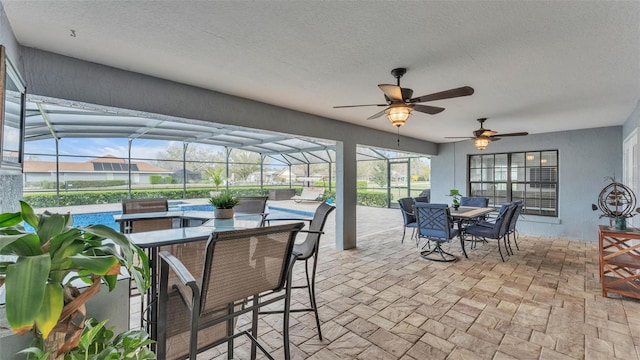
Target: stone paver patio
381,301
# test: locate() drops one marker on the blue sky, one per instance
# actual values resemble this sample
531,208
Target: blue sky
145,149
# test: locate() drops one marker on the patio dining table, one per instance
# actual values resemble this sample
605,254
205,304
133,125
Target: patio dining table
467,214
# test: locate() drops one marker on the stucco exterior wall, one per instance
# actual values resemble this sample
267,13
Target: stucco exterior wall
586,158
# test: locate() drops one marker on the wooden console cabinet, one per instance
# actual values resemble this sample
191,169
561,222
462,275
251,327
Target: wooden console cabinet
620,261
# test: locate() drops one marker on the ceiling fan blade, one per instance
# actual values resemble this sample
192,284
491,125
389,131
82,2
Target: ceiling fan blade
393,92
488,132
513,134
432,110
447,94
376,115
349,106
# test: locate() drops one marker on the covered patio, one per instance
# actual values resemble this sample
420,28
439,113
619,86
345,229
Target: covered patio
381,301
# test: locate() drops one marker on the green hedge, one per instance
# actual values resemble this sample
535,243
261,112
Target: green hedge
155,179
43,200
83,184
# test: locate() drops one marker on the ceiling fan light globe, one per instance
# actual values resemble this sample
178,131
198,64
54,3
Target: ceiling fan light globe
481,143
398,115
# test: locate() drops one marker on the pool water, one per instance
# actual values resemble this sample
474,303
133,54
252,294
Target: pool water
106,218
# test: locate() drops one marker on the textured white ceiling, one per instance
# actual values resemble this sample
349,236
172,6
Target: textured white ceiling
535,66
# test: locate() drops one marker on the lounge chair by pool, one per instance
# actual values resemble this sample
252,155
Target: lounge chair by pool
309,194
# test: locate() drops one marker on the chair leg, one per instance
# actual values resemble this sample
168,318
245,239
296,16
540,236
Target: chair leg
515,239
440,254
508,237
285,322
404,230
230,330
254,326
312,294
500,251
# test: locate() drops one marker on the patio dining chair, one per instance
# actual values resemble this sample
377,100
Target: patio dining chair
474,201
238,273
435,225
252,205
306,250
512,231
406,206
135,206
496,230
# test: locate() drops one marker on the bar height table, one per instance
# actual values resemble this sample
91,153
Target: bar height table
151,241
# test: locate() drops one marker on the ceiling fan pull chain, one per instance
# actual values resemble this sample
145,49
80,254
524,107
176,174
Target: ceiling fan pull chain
398,136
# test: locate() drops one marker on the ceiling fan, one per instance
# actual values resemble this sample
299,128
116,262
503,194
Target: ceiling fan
482,137
400,103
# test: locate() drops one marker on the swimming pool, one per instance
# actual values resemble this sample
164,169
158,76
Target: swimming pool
106,218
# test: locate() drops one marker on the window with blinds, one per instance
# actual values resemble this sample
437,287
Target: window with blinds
528,176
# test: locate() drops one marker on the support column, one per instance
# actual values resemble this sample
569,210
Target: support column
346,195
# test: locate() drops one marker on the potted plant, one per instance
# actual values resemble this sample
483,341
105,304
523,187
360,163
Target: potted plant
223,204
455,195
39,266
216,178
98,342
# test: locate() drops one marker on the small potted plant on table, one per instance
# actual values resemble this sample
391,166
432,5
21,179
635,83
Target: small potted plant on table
223,205
455,195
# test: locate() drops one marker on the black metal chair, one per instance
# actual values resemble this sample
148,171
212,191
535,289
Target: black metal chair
496,230
406,206
306,250
202,295
435,225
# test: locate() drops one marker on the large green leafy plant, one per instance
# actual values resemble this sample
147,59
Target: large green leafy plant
38,267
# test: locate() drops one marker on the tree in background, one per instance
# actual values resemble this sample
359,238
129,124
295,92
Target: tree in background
379,174
243,163
216,176
199,158
421,167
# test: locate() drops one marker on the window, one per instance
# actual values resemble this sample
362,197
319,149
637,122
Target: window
528,176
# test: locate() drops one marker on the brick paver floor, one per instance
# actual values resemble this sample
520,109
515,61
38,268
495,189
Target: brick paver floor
382,301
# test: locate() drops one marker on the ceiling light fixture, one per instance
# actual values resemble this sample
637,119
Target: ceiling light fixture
481,142
398,114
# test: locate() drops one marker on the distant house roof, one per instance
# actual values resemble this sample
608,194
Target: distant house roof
108,163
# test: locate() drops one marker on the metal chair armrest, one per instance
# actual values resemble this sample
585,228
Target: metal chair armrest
268,221
312,232
178,267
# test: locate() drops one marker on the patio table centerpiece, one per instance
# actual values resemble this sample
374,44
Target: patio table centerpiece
455,195
223,204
